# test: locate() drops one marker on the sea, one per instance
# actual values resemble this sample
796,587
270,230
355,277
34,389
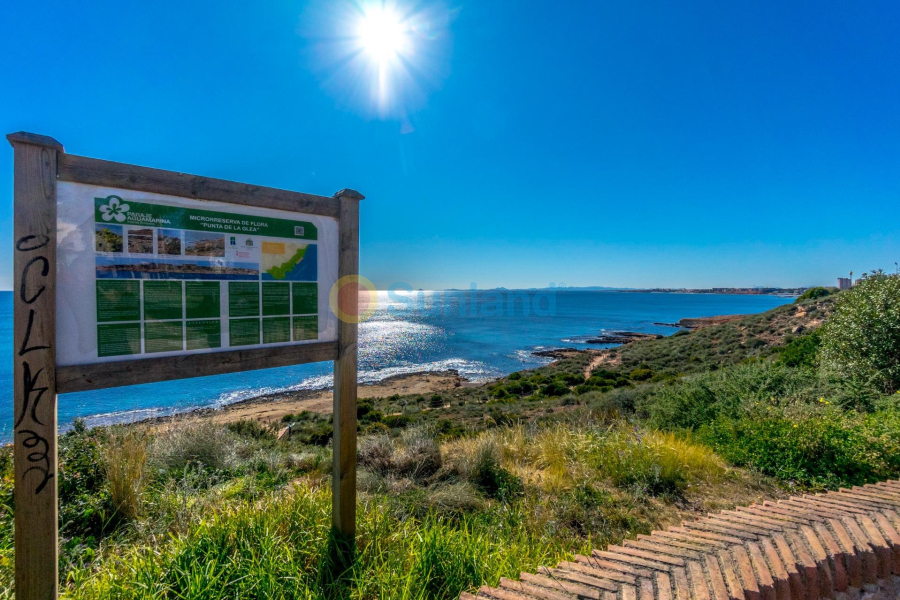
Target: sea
482,335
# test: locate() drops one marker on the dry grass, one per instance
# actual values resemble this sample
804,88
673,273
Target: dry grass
558,457
126,471
194,442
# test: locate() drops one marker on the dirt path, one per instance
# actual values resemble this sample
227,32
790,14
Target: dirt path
602,357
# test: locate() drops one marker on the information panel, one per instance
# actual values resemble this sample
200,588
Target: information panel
146,275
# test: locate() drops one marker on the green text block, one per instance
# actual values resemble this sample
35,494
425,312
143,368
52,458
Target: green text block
243,299
306,298
118,301
306,328
201,300
118,339
201,335
163,337
276,299
276,330
243,332
162,300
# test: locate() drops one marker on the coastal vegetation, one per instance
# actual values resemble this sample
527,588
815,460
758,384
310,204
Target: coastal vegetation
465,486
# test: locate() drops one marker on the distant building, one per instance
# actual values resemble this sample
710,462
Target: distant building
857,282
844,283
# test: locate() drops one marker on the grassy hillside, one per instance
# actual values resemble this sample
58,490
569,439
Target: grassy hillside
460,488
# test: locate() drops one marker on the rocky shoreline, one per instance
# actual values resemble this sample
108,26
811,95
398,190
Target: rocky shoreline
700,322
623,337
272,407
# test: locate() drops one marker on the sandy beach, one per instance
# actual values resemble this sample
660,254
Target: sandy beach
271,408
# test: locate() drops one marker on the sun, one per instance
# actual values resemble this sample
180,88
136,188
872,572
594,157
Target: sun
383,35
385,56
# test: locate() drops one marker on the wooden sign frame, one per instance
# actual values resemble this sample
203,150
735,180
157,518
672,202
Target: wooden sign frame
40,162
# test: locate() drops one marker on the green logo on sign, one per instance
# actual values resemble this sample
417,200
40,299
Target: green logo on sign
115,209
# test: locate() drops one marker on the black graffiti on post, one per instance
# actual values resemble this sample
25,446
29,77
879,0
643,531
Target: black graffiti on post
33,382
37,241
40,458
30,386
23,289
25,349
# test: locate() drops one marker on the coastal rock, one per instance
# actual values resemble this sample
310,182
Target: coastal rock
556,352
623,337
699,322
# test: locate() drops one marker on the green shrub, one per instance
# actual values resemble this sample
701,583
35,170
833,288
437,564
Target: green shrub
813,294
641,374
250,428
820,447
515,387
700,399
397,421
363,407
862,338
570,379
86,510
802,351
555,388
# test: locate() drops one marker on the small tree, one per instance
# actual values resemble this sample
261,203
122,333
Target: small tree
862,338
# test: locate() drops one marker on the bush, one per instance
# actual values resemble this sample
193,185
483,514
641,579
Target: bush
641,374
397,421
186,443
515,387
820,447
802,351
555,388
250,428
415,454
862,338
85,506
813,294
701,399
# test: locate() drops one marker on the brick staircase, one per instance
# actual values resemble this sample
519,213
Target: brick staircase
839,545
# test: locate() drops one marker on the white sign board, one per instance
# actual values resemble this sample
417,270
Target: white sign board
144,275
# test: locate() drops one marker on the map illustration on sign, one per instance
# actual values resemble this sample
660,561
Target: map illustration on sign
288,261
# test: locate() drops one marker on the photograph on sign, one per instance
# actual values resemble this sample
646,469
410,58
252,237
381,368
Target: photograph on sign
144,275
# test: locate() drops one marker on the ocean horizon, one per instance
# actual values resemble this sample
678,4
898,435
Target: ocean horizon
482,336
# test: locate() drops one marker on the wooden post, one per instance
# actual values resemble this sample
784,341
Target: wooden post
344,467
34,366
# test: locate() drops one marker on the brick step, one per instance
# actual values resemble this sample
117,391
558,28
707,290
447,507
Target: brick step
836,545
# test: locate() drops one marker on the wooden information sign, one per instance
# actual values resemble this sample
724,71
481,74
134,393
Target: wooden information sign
127,275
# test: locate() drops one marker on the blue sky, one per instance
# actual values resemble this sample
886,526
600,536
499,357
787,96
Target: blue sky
701,143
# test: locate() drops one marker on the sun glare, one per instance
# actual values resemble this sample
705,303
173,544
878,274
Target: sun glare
383,35
387,55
